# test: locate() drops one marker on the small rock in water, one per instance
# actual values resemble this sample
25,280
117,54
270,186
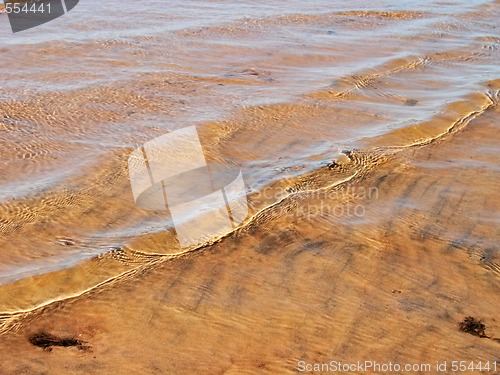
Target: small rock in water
411,102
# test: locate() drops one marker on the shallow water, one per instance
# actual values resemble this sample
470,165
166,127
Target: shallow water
280,91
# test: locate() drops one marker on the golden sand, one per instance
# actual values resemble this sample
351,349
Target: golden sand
374,251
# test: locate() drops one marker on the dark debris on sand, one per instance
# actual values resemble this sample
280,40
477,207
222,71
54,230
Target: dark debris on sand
46,341
475,327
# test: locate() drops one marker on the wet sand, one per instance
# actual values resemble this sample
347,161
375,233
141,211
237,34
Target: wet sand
373,229
284,289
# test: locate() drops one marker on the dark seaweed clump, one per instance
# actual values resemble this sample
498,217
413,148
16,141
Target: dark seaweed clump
46,341
473,326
